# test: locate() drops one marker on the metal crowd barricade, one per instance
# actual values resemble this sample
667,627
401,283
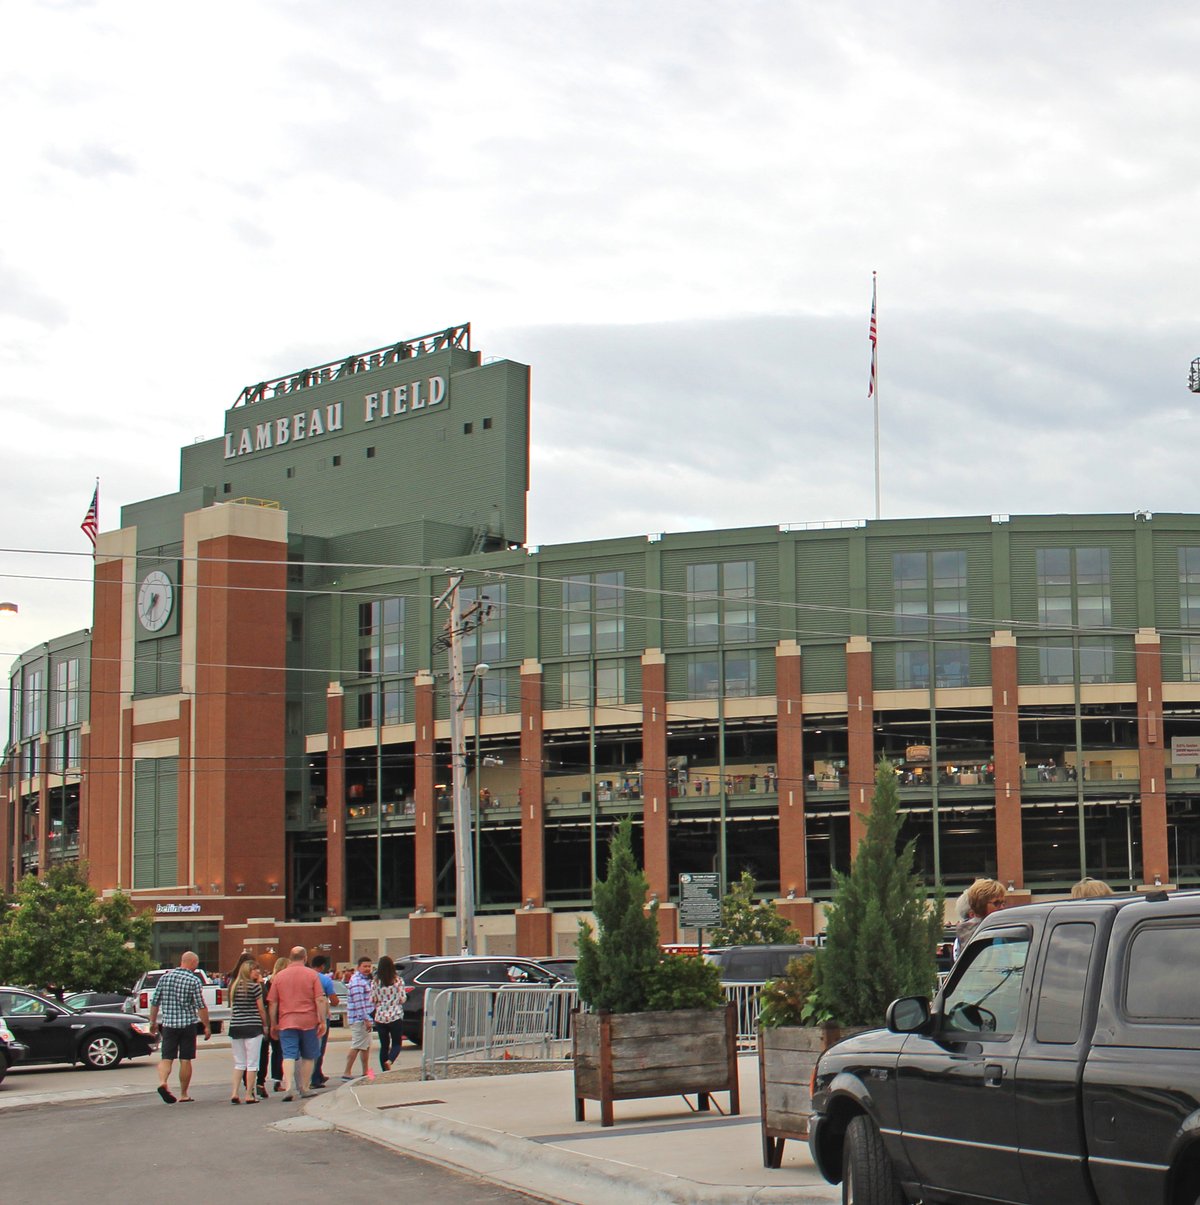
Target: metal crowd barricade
745,997
465,1025
531,1025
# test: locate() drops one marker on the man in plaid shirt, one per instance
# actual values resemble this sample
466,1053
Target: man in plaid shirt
358,1017
180,997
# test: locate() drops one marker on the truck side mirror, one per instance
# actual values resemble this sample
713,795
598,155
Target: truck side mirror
909,1014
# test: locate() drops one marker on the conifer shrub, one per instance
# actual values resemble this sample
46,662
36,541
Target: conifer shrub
881,929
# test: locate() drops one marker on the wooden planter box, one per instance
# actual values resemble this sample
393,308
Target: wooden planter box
626,1056
786,1058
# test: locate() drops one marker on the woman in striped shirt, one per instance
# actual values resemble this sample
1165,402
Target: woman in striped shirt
247,1024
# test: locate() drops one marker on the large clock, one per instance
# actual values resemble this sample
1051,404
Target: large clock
156,598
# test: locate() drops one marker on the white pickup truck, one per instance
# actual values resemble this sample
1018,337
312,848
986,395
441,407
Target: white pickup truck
215,997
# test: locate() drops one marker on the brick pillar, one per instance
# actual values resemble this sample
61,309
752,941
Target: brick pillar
1152,765
655,802
789,757
1006,752
533,818
425,835
860,724
335,801
43,828
794,905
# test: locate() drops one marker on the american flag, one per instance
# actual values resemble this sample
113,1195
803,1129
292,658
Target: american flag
874,337
91,521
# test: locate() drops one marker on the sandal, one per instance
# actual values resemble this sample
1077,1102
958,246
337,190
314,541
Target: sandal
251,1100
235,1100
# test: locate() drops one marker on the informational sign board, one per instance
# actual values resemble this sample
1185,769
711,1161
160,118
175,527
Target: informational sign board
1185,750
699,901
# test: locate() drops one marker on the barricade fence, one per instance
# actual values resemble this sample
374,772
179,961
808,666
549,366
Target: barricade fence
526,1024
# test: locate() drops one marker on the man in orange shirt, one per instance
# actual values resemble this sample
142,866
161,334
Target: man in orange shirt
299,1011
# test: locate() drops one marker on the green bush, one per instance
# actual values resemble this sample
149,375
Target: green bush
881,929
788,1000
685,981
616,968
746,923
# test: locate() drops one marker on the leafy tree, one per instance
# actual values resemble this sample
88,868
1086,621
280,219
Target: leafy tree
615,969
57,930
881,930
788,999
746,923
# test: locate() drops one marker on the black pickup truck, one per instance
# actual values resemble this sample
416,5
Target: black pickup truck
1059,1065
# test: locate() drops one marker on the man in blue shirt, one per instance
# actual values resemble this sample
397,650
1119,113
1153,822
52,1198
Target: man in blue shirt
320,964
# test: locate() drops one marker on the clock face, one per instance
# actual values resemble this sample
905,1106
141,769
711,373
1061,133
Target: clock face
156,597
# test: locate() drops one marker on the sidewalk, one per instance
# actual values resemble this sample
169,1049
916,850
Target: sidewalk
519,1131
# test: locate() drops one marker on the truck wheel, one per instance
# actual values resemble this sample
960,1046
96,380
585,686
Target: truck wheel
102,1051
868,1177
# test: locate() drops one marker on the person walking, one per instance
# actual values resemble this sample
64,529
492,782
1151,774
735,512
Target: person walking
247,1024
359,1016
387,996
320,964
298,1013
271,1051
178,996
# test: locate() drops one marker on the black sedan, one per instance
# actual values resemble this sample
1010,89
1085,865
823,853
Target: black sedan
55,1033
11,1051
97,1002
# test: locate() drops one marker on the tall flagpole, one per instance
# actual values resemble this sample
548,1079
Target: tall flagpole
873,388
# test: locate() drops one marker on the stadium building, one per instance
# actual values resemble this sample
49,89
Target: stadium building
261,748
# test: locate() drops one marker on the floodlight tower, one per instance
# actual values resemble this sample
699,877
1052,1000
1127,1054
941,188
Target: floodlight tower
1194,377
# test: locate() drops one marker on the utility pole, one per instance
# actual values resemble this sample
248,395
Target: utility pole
457,626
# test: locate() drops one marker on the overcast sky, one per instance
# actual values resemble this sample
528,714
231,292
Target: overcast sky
671,210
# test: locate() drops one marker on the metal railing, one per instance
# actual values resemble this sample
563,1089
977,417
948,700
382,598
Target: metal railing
527,1025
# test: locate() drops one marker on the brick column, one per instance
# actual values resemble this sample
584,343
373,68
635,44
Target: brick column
656,804
533,920
860,724
335,801
43,781
1152,766
789,764
425,820
1006,753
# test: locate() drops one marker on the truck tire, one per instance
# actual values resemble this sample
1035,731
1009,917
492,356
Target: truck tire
868,1177
102,1051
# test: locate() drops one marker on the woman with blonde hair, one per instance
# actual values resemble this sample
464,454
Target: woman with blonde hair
983,897
247,1024
1090,889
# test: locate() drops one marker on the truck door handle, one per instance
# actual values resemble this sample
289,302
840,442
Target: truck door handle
993,1074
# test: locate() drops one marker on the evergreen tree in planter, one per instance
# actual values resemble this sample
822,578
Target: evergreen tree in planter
881,930
746,923
654,1027
614,970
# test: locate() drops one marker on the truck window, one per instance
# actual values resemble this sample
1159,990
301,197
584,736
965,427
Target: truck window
1060,1002
1159,985
987,996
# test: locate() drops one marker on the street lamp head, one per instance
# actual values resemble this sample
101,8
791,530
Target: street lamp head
481,669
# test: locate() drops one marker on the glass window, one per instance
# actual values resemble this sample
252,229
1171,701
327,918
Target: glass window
912,666
1056,662
594,612
1189,587
1060,1002
31,703
985,999
610,683
1154,988
929,591
576,684
1189,647
488,642
703,677
1095,659
66,693
741,676
381,636
720,599
1073,587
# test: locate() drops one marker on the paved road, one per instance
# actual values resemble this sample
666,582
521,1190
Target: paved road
115,1149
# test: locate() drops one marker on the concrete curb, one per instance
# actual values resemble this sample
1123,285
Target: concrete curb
562,1177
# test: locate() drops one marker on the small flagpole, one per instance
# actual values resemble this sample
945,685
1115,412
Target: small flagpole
875,389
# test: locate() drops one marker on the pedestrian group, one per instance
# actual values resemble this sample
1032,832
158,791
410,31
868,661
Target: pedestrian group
278,1024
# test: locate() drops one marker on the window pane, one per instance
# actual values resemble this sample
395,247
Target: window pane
1056,663
1095,660
368,617
912,666
610,683
1091,565
1155,990
908,570
949,569
953,664
741,676
986,999
1054,566
702,578
1060,1004
702,677
575,686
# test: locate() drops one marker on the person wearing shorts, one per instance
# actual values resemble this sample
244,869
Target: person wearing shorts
360,1016
299,1010
180,1000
